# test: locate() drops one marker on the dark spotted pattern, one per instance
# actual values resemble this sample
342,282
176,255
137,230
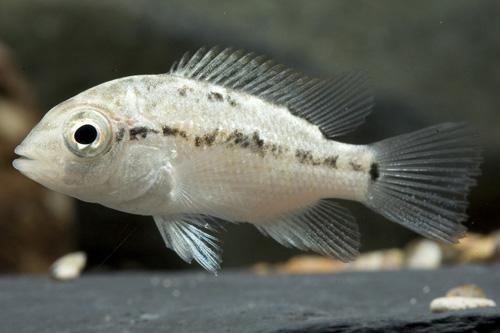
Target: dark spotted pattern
356,166
207,139
238,138
331,161
274,149
172,131
215,96
257,140
256,144
231,101
306,157
198,141
120,134
141,131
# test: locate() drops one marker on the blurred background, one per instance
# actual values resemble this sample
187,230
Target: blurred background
430,61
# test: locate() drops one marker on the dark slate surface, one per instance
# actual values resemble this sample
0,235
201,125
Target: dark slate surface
238,301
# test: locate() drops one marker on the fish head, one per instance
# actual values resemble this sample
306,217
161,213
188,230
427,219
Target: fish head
73,149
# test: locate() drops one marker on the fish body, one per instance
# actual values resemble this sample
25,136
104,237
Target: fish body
232,136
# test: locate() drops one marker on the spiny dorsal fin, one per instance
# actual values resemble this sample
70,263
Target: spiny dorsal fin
337,105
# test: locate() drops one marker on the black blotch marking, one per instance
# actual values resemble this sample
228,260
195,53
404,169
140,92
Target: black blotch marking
275,149
257,141
141,131
234,138
198,141
120,134
374,171
331,161
356,166
172,131
306,157
209,139
238,138
217,96
231,101
182,92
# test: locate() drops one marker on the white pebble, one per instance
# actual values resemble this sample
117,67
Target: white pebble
445,304
424,254
68,267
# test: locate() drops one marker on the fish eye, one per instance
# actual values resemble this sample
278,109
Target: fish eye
87,132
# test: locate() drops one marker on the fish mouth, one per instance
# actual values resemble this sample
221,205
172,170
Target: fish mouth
23,162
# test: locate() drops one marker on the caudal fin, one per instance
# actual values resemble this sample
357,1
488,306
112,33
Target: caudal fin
421,179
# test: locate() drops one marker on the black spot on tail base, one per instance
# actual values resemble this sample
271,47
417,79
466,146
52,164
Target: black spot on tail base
374,171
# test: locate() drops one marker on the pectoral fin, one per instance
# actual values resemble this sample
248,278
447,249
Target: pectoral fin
187,236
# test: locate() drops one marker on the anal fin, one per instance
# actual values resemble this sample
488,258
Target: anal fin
326,228
185,235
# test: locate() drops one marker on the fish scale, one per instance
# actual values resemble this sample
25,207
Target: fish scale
227,135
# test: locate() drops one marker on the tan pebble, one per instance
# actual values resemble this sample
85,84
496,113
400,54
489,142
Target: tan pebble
378,260
304,264
69,266
473,248
467,290
445,304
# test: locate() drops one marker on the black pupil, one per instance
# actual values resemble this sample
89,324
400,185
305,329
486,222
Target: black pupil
86,134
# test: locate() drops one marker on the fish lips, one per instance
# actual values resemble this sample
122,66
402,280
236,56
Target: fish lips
28,163
22,164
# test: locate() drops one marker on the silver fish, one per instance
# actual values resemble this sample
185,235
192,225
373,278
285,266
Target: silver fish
232,136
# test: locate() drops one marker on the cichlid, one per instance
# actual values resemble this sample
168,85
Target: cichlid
232,136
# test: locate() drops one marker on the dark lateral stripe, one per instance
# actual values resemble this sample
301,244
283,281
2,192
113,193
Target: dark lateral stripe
141,131
172,131
251,141
307,157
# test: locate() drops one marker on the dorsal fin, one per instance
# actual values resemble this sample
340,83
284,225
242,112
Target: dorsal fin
337,105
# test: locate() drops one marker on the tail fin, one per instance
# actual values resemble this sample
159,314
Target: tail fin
421,179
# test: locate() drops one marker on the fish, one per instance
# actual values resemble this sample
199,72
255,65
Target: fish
232,137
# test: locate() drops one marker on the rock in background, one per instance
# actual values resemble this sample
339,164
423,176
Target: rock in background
36,224
430,62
